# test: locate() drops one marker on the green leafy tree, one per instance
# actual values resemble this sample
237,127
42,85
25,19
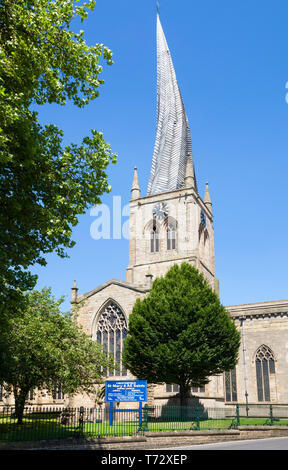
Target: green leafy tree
44,185
43,347
180,333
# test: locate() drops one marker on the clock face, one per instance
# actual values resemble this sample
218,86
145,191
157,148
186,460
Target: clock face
203,219
160,210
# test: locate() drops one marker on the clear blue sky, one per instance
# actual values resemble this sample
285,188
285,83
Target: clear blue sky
231,63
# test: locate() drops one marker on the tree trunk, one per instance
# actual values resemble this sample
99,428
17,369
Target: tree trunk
20,398
183,394
183,402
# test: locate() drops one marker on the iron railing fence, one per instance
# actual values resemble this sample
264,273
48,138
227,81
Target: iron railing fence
262,414
198,417
63,423
48,423
184,418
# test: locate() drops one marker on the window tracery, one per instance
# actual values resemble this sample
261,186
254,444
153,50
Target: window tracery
170,225
230,383
111,332
265,367
154,240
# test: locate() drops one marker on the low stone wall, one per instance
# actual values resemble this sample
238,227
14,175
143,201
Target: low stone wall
154,440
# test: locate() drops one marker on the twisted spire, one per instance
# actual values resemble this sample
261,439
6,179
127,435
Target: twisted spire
173,139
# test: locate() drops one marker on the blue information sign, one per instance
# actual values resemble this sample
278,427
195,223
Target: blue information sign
125,391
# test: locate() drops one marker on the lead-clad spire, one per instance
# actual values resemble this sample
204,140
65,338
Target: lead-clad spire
173,139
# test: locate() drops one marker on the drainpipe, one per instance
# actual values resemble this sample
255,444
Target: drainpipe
242,319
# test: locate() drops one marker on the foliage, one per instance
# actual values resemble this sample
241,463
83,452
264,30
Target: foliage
43,347
180,333
43,184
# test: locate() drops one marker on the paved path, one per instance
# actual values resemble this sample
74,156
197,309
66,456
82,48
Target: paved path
275,443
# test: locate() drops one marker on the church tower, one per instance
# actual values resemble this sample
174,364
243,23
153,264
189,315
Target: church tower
172,223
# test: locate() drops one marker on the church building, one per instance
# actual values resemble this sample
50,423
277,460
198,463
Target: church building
171,224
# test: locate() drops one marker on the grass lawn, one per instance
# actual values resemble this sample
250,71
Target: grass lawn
35,428
210,424
44,429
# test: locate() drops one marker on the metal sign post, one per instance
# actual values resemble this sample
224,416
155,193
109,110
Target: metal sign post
125,391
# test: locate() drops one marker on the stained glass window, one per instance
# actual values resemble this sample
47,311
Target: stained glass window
265,366
111,332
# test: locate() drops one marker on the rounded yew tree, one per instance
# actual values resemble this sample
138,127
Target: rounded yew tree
180,333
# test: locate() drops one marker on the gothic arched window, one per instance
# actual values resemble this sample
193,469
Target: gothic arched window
171,232
111,331
152,229
230,385
154,239
265,368
171,237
